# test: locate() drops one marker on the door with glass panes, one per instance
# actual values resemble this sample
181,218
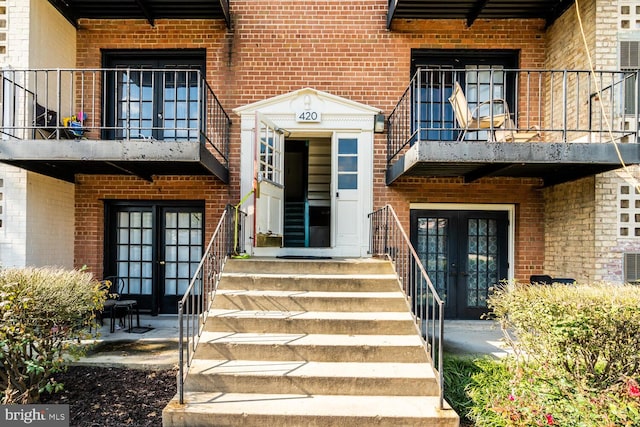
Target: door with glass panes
464,254
154,95
480,73
155,250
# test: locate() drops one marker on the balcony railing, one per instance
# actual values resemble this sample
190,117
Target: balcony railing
561,106
113,104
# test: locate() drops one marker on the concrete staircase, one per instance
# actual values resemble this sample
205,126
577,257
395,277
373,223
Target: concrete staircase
309,343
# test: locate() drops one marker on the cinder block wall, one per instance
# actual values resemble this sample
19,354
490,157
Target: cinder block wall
569,209
13,233
609,246
37,212
335,46
50,221
581,218
569,218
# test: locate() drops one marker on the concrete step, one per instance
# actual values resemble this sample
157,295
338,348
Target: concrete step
310,282
310,301
311,322
295,410
308,266
312,347
300,377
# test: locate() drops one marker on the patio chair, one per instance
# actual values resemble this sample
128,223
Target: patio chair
470,120
508,133
113,308
45,122
47,125
500,126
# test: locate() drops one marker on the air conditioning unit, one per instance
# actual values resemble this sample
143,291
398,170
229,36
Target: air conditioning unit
629,54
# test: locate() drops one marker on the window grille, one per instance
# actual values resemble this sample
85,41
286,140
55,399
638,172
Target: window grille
628,15
628,211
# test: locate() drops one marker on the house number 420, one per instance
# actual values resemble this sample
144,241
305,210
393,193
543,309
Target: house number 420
308,116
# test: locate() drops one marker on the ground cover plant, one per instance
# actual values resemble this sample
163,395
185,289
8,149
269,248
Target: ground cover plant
44,313
458,371
576,360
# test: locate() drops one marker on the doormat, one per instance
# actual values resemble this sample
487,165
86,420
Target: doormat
303,257
139,329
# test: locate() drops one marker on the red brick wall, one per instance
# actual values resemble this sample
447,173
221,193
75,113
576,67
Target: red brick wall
341,47
525,194
91,190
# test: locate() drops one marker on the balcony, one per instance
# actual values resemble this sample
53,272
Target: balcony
150,10
121,121
470,10
582,123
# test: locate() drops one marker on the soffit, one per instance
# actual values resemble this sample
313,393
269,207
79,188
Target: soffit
471,10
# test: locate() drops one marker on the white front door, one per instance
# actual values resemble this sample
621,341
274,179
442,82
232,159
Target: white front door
269,190
352,182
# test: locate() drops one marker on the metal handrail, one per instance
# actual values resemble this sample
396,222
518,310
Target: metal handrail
389,239
194,306
559,104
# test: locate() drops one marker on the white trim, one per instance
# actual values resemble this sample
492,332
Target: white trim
339,116
511,213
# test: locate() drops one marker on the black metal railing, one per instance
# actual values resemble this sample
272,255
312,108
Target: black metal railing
193,308
560,105
389,239
117,103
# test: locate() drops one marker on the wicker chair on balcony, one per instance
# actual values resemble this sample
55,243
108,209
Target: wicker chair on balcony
500,126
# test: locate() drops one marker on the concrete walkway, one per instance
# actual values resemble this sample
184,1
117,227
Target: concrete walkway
474,337
157,348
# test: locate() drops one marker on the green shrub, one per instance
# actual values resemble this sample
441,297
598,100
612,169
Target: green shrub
590,332
44,313
576,358
458,372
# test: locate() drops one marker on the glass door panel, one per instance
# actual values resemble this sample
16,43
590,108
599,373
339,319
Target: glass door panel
182,253
482,260
134,104
155,249
134,249
464,254
154,94
180,108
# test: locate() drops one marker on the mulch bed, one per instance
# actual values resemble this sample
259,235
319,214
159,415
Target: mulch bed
114,397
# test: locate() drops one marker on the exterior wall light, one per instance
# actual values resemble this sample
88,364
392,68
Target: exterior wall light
378,123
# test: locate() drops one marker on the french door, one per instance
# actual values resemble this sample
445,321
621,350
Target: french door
481,75
464,254
155,250
153,95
